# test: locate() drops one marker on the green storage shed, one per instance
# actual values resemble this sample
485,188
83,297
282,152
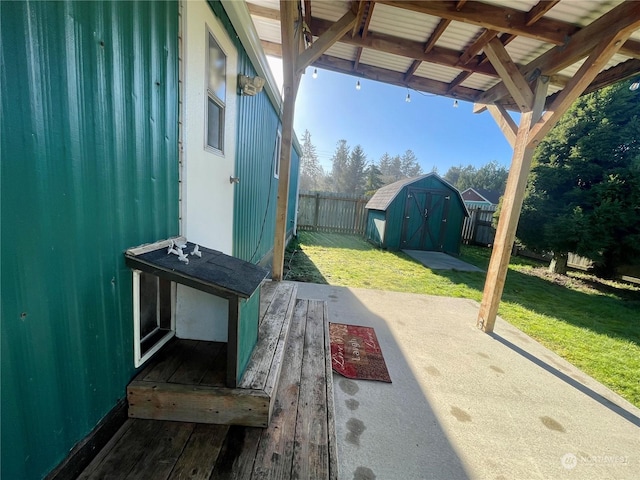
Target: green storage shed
421,213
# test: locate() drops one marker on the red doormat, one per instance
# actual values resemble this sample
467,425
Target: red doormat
355,353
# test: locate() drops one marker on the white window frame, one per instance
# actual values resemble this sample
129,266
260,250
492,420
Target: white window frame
138,357
209,95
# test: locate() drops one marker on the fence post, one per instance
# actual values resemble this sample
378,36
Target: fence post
316,213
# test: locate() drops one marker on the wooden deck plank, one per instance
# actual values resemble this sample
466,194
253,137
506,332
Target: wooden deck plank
311,450
159,459
125,454
200,453
197,403
272,334
238,454
331,412
267,292
162,367
195,363
275,452
276,367
299,443
216,375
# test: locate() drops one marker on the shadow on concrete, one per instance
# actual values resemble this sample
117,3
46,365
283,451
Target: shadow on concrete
384,430
571,381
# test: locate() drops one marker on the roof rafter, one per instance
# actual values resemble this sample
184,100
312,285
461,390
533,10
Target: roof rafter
578,46
428,46
511,76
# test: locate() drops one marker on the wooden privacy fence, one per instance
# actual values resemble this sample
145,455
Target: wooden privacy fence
337,213
478,226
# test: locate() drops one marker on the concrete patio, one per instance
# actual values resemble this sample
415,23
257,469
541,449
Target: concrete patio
464,404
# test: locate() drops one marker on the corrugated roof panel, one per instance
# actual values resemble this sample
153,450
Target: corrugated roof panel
581,13
272,4
458,36
342,50
523,50
269,29
615,60
329,10
480,82
437,72
402,23
385,60
523,5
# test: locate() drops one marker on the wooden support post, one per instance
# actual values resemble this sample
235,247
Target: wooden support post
510,213
290,46
533,127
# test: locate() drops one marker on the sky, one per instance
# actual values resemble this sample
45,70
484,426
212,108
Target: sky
378,118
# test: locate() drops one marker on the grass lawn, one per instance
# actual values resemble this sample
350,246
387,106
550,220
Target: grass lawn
592,323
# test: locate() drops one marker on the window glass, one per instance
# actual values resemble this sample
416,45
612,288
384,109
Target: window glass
216,94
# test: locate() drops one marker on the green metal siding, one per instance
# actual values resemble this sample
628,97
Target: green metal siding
293,189
374,233
256,194
89,168
248,322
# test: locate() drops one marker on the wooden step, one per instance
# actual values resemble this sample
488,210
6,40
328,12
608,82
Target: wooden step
186,381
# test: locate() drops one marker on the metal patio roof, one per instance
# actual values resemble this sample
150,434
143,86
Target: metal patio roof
439,47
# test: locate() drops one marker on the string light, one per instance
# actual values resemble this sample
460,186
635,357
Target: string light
408,98
315,73
635,85
358,85
455,104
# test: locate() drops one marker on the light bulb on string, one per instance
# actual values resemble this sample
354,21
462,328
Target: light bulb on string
315,73
635,85
408,98
358,85
455,104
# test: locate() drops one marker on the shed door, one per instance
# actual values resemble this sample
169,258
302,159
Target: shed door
425,219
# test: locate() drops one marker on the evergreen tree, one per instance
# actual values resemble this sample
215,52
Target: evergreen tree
340,168
395,169
491,176
311,172
355,171
410,166
373,179
583,194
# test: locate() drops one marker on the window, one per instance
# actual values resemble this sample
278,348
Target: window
216,94
153,314
276,155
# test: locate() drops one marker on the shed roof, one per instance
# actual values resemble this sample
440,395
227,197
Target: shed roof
488,195
385,195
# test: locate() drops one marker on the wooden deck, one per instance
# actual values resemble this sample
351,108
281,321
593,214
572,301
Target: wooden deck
186,382
299,442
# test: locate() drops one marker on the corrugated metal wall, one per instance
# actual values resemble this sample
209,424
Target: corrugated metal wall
89,168
256,194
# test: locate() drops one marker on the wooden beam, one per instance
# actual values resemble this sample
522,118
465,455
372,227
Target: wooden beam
462,76
394,78
270,48
493,17
428,46
291,78
505,122
510,213
325,41
538,11
511,76
460,4
596,61
622,71
577,47
359,15
473,49
407,48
